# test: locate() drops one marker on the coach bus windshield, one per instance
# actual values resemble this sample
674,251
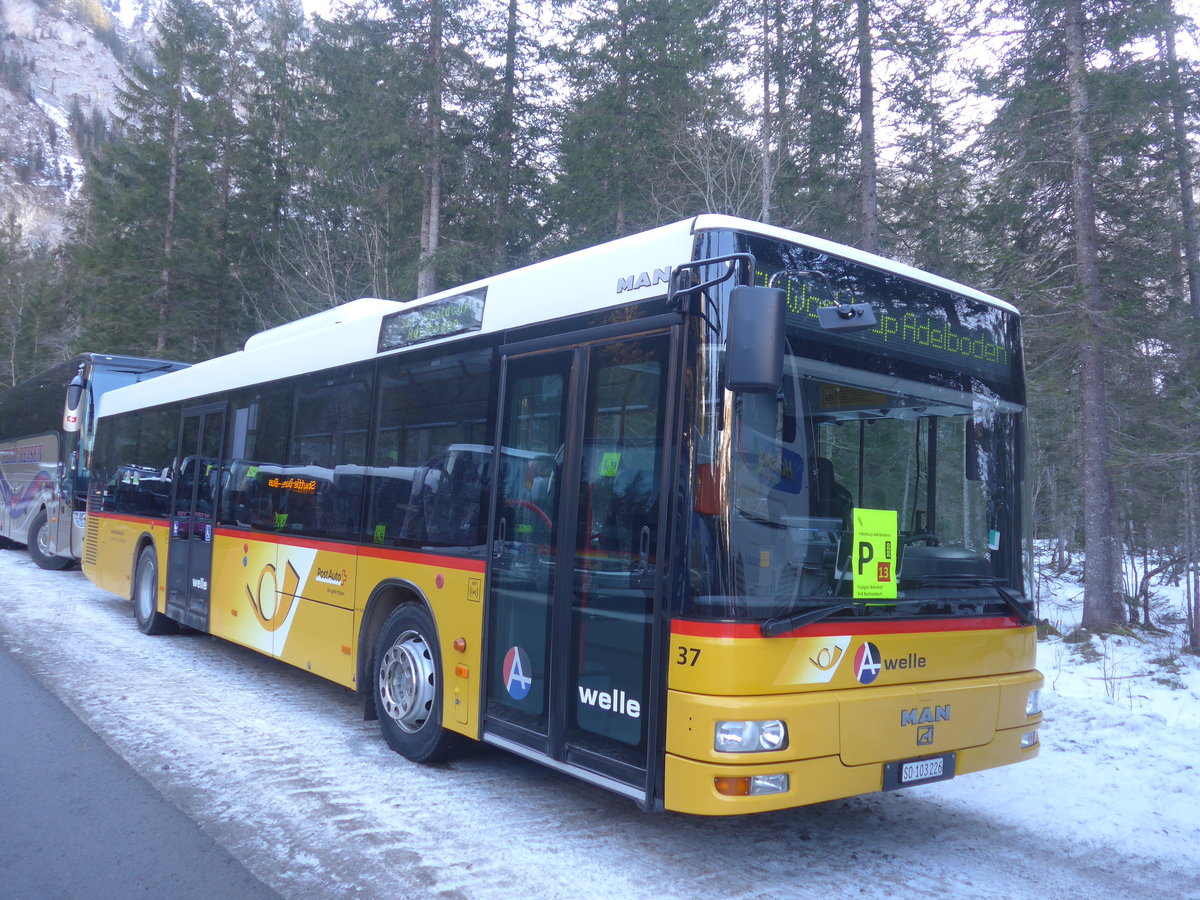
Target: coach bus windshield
862,426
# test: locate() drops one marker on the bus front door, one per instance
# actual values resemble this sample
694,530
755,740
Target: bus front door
573,646
193,515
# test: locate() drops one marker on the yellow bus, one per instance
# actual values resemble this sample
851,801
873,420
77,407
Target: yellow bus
720,517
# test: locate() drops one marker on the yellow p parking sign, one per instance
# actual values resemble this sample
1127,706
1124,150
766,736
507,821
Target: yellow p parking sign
876,536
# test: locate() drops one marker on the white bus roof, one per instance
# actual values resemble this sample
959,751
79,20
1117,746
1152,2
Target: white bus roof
578,282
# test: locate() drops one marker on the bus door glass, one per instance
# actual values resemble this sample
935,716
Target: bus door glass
197,479
575,552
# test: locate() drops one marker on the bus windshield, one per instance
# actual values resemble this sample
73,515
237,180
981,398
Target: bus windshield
877,421
804,460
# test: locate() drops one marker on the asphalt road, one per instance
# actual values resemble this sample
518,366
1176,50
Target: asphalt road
77,821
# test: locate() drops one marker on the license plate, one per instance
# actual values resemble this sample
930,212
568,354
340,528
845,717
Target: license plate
922,770
908,772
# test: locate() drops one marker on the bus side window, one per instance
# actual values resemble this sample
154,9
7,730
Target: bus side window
254,445
327,453
428,478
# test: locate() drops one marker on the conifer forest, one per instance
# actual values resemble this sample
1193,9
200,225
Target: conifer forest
266,165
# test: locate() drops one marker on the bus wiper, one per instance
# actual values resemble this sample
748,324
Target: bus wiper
778,625
783,624
1010,597
1013,600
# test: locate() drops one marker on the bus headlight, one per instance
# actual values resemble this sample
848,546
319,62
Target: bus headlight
750,737
1033,704
752,786
1029,739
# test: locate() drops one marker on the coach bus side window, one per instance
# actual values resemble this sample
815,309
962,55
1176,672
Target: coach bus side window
321,487
432,463
254,450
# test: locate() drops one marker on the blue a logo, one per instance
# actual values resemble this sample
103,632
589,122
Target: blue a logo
867,663
518,673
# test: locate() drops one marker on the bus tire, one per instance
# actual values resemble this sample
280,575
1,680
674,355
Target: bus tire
145,596
39,545
408,687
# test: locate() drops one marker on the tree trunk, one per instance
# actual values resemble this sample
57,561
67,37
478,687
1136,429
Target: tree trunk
165,275
1183,161
866,111
505,143
619,211
431,208
764,212
1102,607
1192,598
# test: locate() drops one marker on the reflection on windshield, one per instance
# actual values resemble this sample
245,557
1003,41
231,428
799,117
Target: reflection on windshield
833,441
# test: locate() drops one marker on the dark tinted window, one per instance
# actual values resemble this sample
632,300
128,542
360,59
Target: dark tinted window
433,455
320,489
255,437
131,470
36,406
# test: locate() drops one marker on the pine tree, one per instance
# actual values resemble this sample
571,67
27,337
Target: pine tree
1081,141
639,75
146,241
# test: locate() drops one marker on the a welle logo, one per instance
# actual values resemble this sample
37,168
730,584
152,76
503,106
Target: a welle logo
332,576
615,700
869,662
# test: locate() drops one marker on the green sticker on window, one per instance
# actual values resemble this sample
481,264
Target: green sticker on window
380,533
876,536
280,521
252,472
609,464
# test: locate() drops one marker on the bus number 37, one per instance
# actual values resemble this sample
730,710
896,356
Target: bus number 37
687,656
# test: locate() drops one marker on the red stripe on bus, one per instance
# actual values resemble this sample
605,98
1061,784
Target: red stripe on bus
737,631
133,520
404,556
425,559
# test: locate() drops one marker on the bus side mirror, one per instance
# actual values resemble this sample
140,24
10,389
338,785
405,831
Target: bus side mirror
74,399
754,348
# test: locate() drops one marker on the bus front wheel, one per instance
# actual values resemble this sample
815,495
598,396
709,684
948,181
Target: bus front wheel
408,687
39,544
145,596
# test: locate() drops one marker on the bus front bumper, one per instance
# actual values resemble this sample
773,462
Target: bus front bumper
846,743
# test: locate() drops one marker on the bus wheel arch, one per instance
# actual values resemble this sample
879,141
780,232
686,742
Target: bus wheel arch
39,544
383,601
144,540
405,675
143,591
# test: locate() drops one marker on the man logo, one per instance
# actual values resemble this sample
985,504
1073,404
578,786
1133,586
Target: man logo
925,715
644,280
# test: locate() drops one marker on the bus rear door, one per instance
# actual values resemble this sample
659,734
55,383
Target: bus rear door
193,515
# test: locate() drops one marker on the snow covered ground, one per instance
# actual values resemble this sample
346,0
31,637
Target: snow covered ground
280,768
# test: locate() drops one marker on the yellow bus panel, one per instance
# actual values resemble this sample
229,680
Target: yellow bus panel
737,659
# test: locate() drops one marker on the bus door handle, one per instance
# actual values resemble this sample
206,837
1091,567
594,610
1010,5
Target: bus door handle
501,532
644,549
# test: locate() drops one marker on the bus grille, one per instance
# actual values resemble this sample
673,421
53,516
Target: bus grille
91,541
